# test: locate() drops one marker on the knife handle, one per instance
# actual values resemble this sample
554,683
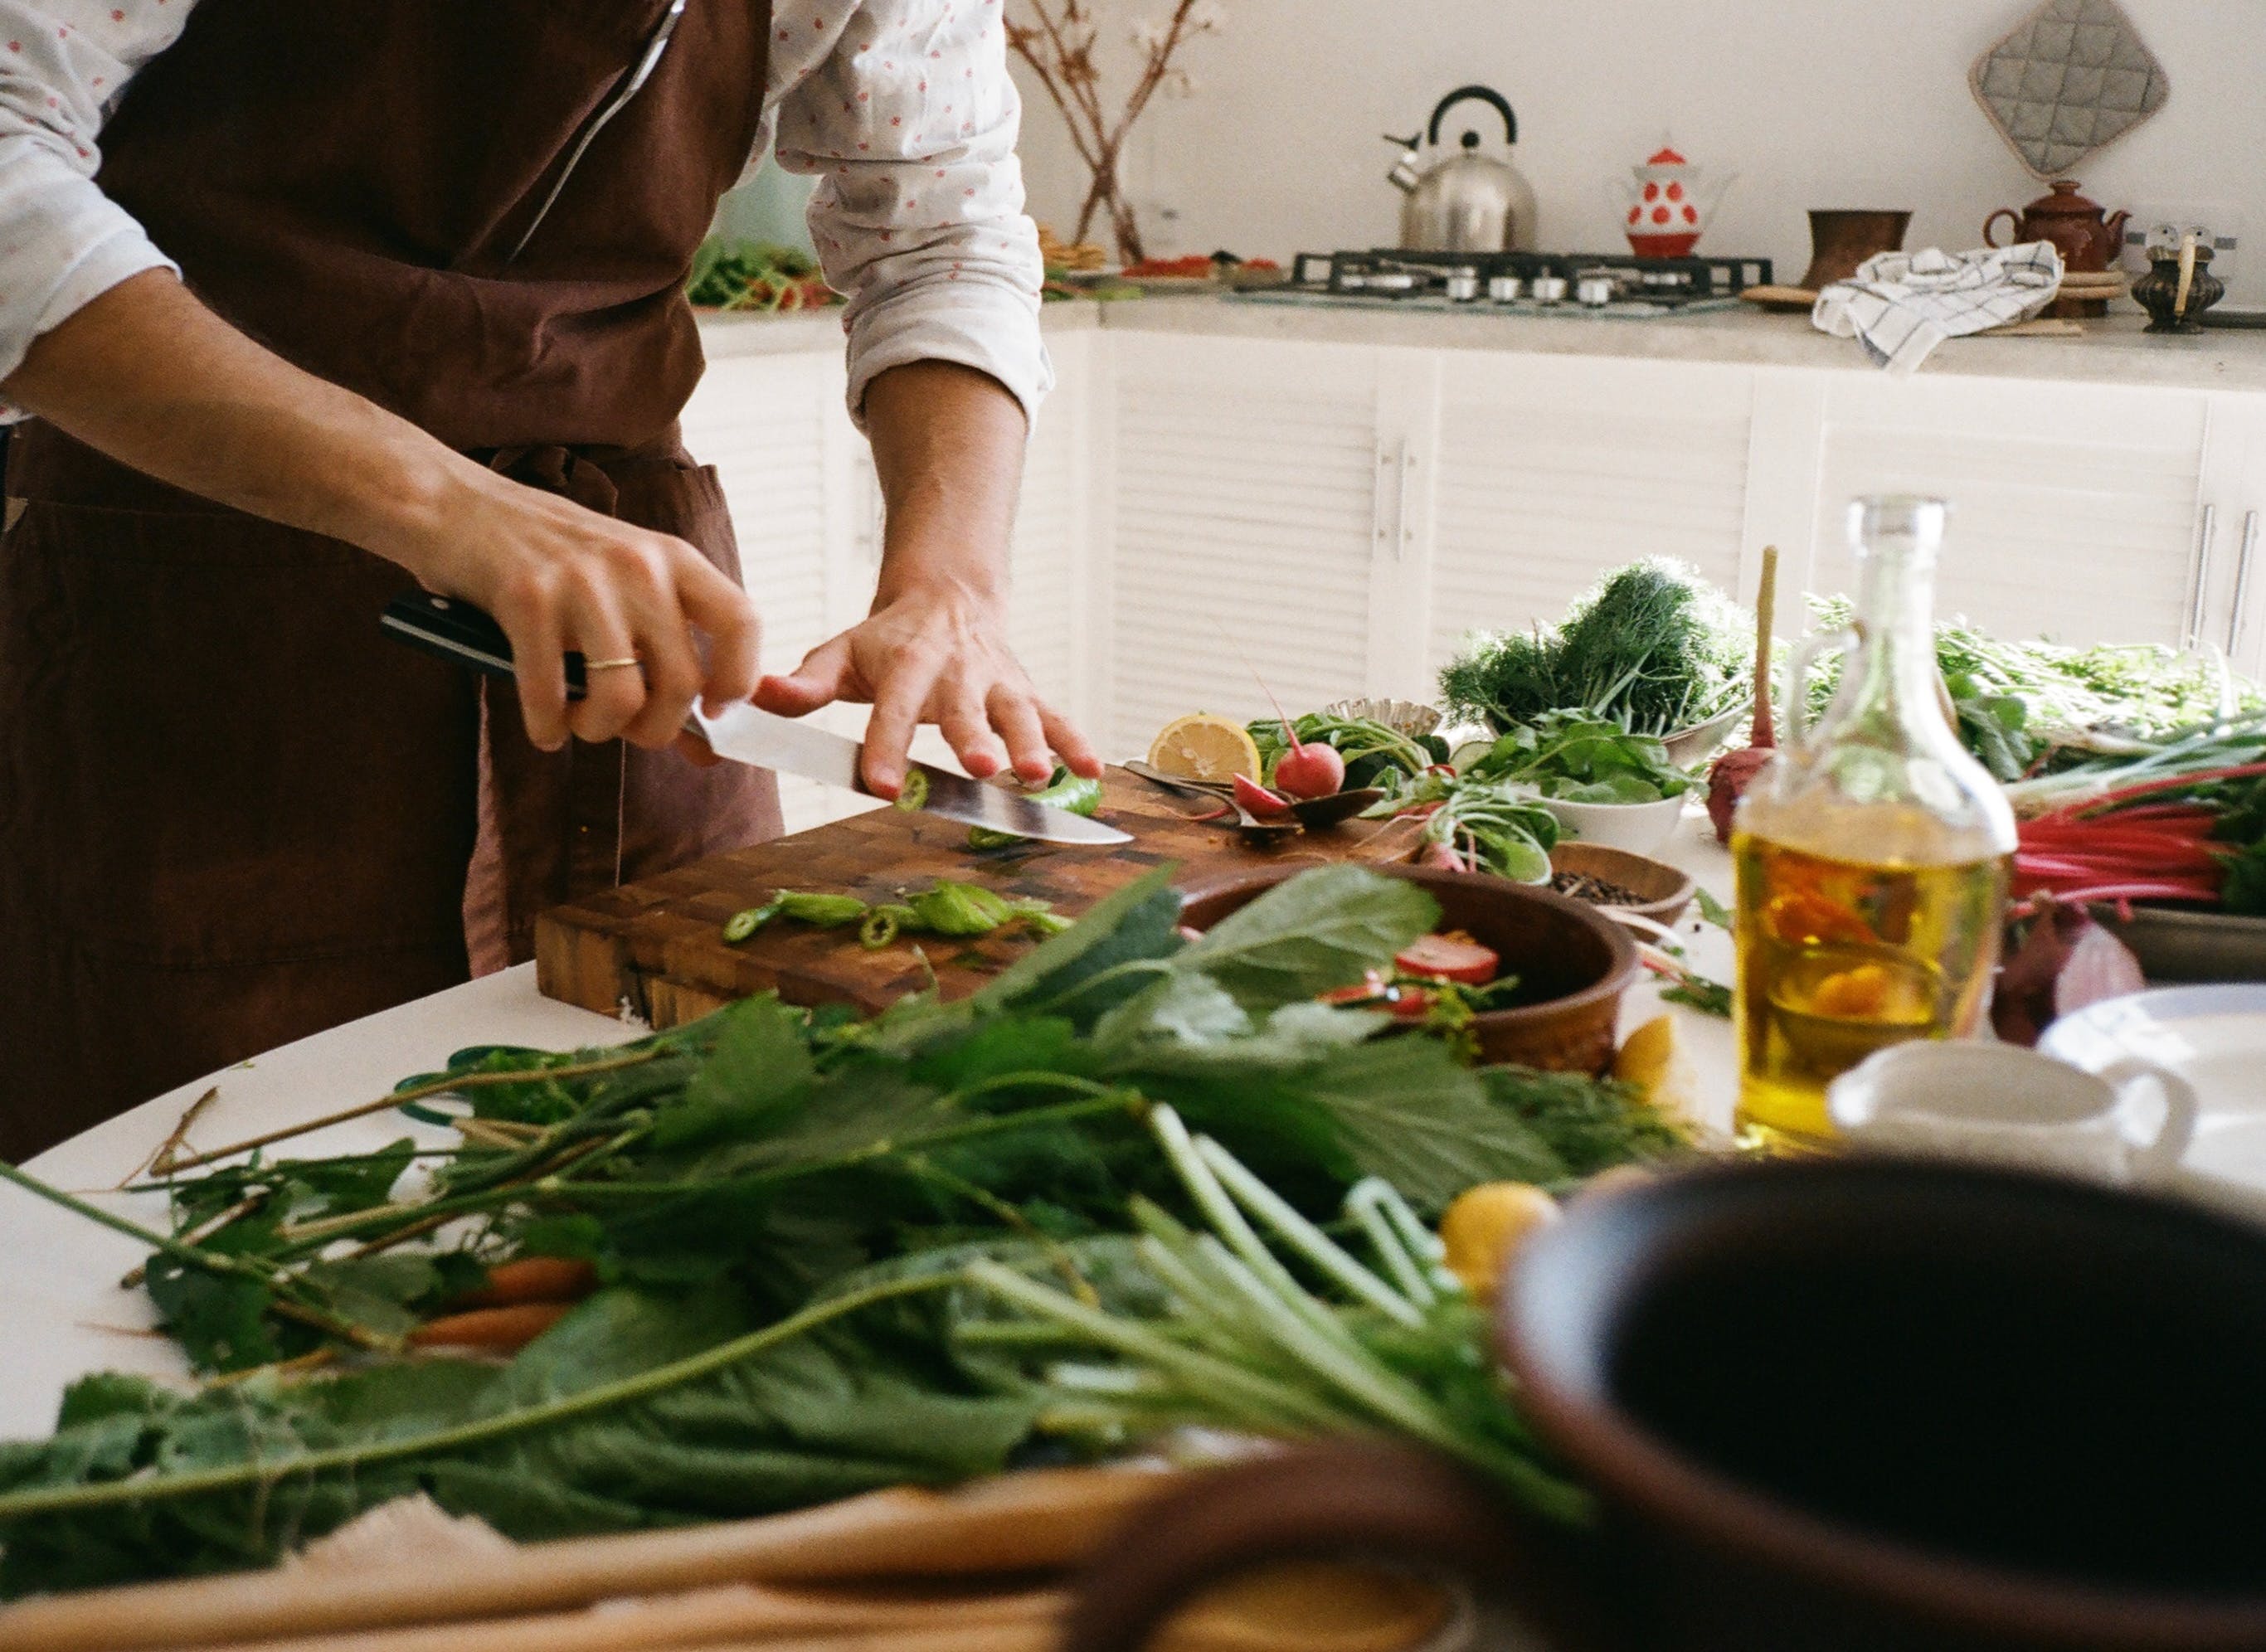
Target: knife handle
455,630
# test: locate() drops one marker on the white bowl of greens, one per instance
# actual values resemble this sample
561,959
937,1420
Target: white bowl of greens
1603,784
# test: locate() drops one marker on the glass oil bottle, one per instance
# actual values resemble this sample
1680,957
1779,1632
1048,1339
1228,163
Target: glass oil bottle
1871,853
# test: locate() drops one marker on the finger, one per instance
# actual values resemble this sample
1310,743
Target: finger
896,714
1015,714
672,670
612,694
1071,745
821,678
968,729
539,667
733,629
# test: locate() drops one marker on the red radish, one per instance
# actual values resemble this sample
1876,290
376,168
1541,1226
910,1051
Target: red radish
1310,771
1258,799
1735,771
1444,858
1191,936
1450,958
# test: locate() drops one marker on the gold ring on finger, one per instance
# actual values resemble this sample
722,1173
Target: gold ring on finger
622,664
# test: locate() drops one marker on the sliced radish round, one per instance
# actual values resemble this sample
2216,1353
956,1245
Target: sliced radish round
1258,798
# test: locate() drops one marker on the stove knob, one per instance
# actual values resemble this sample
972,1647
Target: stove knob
1463,285
1549,289
1595,291
1504,290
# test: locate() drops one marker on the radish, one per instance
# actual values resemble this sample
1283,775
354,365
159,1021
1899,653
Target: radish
1310,770
1735,770
1450,958
1257,800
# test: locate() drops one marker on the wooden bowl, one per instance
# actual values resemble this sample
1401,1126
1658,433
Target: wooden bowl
1665,891
1578,962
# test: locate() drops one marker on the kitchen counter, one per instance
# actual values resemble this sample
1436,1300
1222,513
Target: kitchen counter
2114,349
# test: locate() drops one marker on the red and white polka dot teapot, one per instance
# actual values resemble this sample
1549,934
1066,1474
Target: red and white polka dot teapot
1669,203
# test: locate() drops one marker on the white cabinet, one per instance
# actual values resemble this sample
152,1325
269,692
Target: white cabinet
1553,469
2075,508
1248,525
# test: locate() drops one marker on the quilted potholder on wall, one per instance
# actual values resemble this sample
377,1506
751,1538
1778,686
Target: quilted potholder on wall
2071,77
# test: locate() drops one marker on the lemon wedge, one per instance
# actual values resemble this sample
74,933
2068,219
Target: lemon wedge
1204,747
1656,1064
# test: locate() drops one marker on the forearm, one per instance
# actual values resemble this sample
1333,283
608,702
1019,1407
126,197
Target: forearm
948,449
148,376
146,373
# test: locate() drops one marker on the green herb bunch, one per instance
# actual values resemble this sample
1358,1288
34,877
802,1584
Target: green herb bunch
1578,758
1653,648
808,1228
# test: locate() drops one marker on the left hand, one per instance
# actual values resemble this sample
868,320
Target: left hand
935,654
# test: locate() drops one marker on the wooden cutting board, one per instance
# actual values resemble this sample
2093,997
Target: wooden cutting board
658,946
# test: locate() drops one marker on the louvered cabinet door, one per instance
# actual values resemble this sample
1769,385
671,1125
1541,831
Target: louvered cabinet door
1554,469
762,420
2075,508
1243,527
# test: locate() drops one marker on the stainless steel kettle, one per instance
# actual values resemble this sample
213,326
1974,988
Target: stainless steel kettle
1466,200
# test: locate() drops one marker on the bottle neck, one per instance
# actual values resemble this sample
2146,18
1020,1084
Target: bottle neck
1893,672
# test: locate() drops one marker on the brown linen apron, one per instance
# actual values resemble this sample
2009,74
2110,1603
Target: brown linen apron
230,813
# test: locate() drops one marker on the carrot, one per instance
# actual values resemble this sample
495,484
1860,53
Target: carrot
498,1330
532,1279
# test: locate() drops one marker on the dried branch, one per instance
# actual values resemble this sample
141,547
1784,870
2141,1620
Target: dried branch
1058,39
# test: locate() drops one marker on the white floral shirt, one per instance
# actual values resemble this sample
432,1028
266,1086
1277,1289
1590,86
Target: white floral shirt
903,109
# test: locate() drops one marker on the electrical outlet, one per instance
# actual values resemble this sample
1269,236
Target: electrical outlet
2222,225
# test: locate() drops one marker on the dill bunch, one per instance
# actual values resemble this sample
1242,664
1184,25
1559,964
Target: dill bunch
1653,646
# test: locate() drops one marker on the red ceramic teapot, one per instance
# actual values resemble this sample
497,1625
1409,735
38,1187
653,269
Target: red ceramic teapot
1862,1405
2086,237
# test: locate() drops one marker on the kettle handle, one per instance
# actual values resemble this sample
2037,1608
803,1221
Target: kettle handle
2011,215
1482,94
1330,1501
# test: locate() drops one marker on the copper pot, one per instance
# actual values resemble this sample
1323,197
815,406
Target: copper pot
1833,1405
2087,239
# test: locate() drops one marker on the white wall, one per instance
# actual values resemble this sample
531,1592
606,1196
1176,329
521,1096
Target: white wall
1814,103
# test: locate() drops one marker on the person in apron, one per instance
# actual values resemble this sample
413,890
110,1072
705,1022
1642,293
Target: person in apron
429,327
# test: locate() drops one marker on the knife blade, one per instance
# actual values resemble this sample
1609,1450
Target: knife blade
455,629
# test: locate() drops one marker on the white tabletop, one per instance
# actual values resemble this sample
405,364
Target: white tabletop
63,1313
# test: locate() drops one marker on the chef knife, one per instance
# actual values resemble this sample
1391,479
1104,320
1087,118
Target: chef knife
747,733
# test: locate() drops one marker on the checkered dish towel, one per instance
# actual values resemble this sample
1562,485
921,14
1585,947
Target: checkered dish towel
1901,305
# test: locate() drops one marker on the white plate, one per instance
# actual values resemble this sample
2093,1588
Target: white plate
2215,1038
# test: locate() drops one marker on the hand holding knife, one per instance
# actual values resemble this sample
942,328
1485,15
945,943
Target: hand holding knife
744,733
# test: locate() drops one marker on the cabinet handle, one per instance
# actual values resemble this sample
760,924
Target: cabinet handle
1405,539
2242,578
1379,527
2200,587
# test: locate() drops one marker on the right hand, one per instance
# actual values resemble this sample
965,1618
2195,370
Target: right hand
558,576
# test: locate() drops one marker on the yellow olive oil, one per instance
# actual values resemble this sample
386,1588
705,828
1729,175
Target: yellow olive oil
1839,958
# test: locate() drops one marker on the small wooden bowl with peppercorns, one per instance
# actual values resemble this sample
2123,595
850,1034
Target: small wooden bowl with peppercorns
1621,880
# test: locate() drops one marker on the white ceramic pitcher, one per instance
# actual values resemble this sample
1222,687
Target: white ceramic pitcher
2001,1105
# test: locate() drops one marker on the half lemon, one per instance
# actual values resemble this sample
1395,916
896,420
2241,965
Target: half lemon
1203,747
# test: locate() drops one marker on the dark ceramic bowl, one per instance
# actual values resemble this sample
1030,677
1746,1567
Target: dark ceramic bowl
1574,963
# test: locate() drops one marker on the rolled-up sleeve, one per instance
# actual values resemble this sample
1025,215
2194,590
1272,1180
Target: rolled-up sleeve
910,124
63,242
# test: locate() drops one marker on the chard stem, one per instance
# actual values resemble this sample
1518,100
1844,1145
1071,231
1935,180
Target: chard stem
1303,1236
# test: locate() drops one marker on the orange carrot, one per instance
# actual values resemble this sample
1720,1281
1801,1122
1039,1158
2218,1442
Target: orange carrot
498,1330
532,1279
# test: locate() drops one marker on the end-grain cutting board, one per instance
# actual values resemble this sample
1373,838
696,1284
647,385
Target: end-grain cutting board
658,946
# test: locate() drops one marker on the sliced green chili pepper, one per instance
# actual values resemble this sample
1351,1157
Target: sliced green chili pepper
1043,923
1065,791
914,792
960,909
827,911
881,927
740,925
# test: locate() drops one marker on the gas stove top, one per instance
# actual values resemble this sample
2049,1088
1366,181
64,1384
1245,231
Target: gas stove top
1601,284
